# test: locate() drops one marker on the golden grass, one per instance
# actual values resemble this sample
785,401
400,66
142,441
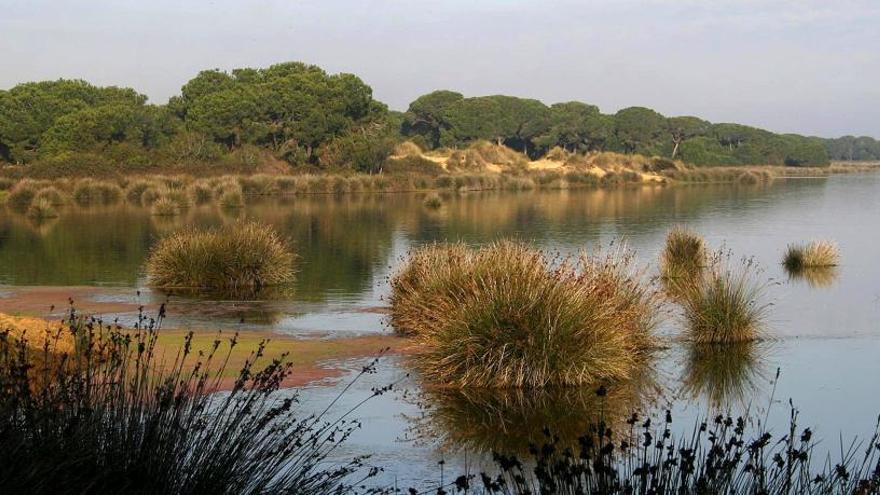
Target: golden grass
501,316
797,257
165,207
432,201
42,209
94,192
683,255
238,258
51,195
723,305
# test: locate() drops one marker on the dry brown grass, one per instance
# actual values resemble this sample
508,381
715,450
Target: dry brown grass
237,258
501,316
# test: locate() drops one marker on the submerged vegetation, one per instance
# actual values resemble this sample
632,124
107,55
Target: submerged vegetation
503,316
237,258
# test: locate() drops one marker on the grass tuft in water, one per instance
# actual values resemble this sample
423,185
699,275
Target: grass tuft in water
42,209
238,258
502,316
432,201
94,192
22,195
684,254
724,304
231,199
165,207
798,257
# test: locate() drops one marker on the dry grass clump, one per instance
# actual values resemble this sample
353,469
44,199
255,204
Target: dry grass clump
683,255
200,192
22,195
231,199
407,148
135,190
815,254
51,194
723,305
94,192
432,201
42,209
237,258
502,316
260,185
165,207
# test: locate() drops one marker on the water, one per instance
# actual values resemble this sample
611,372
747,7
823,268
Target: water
825,335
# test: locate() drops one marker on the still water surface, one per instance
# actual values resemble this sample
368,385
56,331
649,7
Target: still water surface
825,333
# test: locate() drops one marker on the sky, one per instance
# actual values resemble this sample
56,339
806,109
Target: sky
804,66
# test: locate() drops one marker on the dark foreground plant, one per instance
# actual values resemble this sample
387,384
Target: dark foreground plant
111,417
725,455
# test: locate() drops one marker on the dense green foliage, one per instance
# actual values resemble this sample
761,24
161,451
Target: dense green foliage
445,118
293,111
301,114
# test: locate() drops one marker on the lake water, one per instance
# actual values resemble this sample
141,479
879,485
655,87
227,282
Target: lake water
825,336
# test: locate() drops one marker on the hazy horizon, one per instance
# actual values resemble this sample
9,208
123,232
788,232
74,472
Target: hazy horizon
803,67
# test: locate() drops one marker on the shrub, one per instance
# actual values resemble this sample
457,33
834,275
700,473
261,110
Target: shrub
112,417
237,258
22,195
500,316
6,184
683,255
723,305
815,254
93,192
165,207
432,201
42,209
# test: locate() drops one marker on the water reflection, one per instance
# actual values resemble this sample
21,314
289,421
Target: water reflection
725,375
509,420
816,277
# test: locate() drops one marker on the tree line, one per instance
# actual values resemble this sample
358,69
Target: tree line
301,114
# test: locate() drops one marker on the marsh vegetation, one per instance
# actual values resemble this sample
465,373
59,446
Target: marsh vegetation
243,257
503,316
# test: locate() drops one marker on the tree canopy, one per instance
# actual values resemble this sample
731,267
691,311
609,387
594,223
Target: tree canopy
302,114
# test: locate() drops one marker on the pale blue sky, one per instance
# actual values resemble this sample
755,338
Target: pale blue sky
808,66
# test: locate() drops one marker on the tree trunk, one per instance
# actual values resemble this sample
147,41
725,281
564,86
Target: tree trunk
675,148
